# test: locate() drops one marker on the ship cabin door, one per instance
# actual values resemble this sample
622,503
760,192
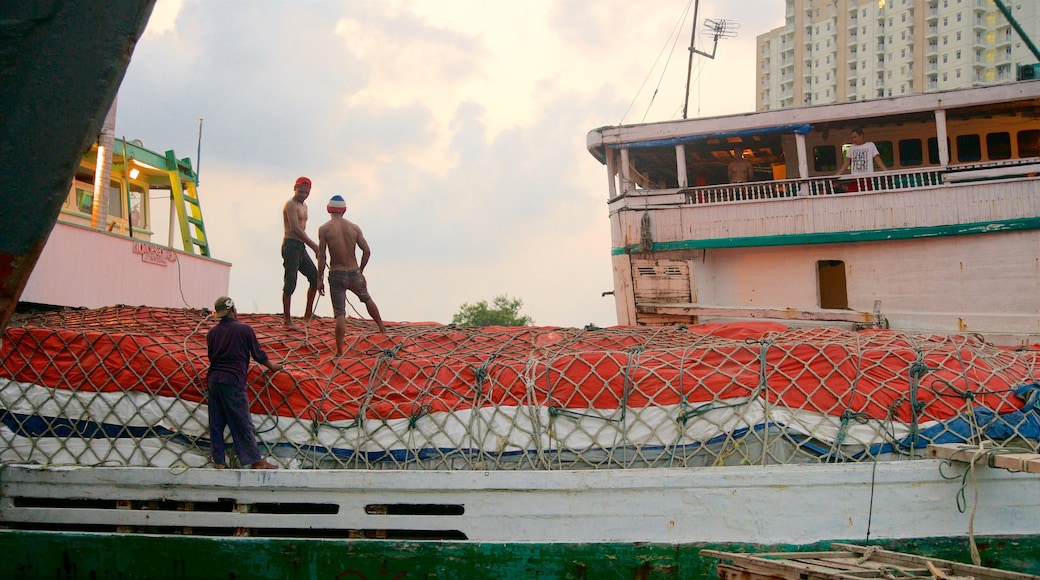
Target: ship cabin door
663,289
834,293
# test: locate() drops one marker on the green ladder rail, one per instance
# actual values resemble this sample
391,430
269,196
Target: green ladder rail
189,211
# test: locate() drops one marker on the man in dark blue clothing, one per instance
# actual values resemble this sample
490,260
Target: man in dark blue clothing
230,344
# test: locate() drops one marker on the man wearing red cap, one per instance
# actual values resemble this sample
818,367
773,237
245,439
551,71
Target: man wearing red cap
341,237
294,253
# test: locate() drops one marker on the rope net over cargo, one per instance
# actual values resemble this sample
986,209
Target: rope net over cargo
126,386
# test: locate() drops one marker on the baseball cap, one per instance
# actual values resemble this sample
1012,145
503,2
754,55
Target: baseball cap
302,181
223,306
337,204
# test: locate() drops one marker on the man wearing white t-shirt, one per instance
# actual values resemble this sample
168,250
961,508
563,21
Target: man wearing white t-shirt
861,157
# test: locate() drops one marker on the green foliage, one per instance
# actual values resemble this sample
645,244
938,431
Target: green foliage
504,311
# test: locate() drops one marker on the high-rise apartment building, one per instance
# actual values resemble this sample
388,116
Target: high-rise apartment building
834,51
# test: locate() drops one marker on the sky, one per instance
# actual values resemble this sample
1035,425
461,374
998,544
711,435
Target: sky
454,129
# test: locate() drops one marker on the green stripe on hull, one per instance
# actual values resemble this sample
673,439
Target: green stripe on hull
841,237
85,555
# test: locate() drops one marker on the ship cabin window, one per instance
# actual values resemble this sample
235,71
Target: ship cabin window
969,148
998,145
1029,143
885,150
910,152
138,206
85,199
834,294
933,149
825,158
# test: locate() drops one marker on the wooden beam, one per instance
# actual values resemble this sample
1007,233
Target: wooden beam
989,456
693,309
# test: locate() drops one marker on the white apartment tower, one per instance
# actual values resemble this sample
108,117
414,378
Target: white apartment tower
833,51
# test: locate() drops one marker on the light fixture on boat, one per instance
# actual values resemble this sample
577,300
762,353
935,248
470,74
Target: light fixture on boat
134,172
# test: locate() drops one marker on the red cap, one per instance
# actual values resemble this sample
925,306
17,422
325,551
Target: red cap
302,181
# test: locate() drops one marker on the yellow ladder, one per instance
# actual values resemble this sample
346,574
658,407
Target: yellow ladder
189,212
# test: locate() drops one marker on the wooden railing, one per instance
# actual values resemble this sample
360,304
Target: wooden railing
831,185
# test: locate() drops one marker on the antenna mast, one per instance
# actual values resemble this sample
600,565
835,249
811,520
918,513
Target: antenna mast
718,29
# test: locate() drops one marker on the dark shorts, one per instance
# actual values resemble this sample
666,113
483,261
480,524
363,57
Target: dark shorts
342,280
295,259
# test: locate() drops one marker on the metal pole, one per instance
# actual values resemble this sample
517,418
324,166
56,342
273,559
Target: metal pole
689,66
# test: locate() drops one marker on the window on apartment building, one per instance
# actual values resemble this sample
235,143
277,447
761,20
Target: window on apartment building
903,19
958,17
1029,143
828,43
945,58
890,39
958,35
946,3
944,74
946,40
958,55
902,53
998,145
910,152
890,22
958,73
946,21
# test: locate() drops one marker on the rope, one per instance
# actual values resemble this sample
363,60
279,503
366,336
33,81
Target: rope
125,386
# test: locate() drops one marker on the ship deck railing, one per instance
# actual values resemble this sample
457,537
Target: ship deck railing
885,181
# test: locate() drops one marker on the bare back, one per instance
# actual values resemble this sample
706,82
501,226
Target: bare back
341,237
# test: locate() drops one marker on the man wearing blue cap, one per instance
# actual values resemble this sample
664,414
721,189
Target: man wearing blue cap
341,237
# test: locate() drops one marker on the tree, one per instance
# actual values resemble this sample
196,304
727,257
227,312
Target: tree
505,311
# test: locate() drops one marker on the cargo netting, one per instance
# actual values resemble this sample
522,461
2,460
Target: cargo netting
126,386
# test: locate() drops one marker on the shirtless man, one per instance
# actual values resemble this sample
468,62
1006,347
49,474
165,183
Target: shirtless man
341,237
740,169
294,254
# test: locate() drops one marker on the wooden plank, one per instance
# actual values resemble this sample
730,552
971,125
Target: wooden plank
989,456
689,308
848,562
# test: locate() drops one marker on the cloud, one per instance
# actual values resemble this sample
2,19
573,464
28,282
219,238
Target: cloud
455,130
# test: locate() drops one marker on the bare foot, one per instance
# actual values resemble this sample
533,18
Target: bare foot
220,466
263,464
290,326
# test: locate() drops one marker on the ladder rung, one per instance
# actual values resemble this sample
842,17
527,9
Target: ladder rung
190,199
194,220
198,242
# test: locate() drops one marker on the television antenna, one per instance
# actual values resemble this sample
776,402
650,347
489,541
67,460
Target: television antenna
718,29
